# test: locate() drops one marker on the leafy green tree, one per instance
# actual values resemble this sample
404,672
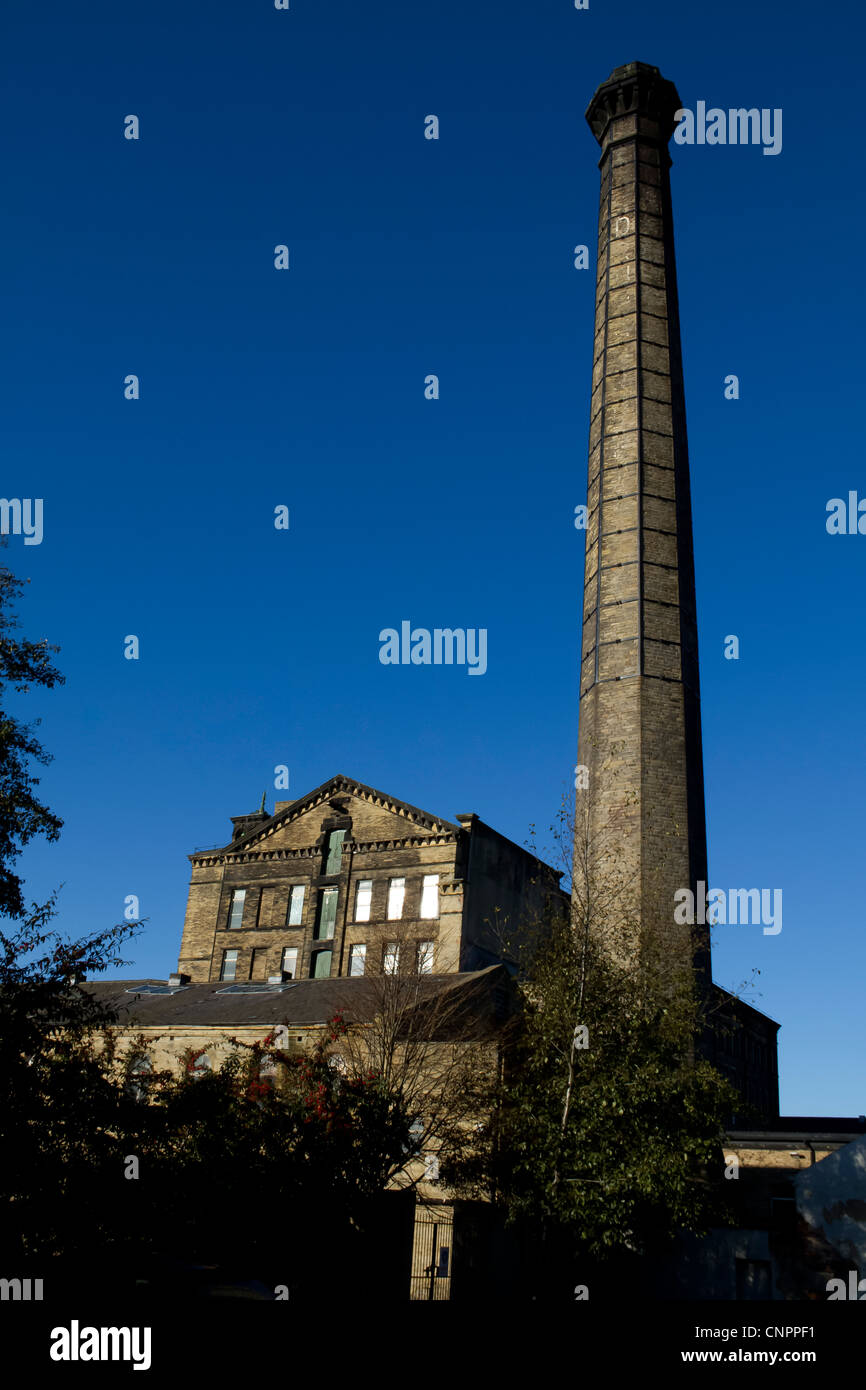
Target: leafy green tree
56,1105
91,1175
58,1108
270,1164
609,1125
607,1138
118,1172
109,1165
23,664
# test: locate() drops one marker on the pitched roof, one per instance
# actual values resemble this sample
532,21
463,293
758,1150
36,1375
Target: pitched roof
335,785
301,1002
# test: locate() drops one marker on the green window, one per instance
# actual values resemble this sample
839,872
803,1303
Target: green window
321,965
334,851
327,914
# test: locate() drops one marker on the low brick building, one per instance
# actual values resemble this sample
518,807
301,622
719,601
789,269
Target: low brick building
168,1024
799,1192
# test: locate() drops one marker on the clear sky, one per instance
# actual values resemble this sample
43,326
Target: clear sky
305,388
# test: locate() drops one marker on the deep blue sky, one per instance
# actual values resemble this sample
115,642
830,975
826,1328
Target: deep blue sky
305,388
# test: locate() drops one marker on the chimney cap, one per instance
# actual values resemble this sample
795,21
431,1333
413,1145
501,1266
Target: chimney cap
639,89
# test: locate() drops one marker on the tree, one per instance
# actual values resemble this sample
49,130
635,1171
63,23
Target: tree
23,816
266,1126
59,1117
57,1109
607,1138
431,1045
110,1164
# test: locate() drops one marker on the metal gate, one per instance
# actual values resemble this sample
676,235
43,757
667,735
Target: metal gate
432,1253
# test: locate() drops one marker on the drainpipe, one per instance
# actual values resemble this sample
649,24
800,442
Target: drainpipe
348,872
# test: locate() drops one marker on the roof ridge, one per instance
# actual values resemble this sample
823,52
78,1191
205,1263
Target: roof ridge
340,781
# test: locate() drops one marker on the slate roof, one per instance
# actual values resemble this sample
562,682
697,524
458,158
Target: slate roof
302,1002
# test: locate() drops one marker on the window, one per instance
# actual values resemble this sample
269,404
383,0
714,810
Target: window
783,1216
289,960
229,966
357,959
296,904
320,966
327,914
199,1065
139,1074
396,891
363,899
430,896
334,851
425,957
266,1076
391,958
236,914
257,959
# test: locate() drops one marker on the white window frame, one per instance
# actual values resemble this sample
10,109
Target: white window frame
396,897
424,957
239,898
296,895
362,910
429,897
357,954
229,979
391,958
290,953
